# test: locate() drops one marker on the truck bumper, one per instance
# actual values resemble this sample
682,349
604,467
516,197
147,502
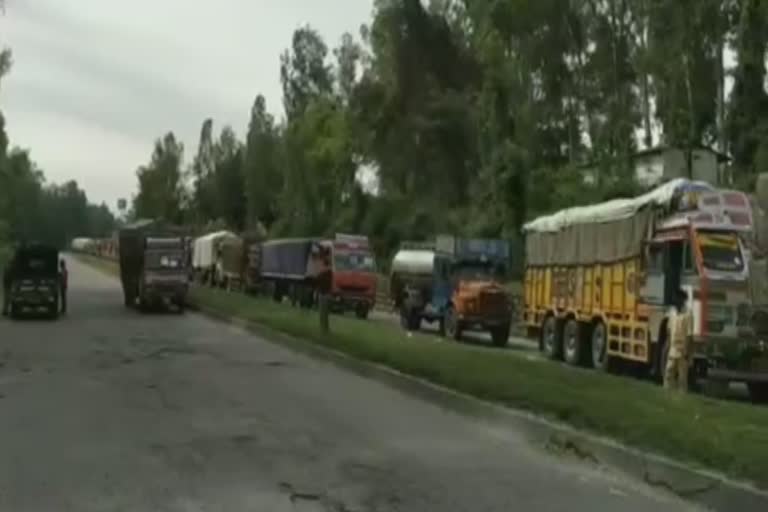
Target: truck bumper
350,303
738,360
479,323
736,375
33,300
153,294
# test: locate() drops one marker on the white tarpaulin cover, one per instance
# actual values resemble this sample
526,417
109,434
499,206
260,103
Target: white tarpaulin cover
601,233
609,211
204,248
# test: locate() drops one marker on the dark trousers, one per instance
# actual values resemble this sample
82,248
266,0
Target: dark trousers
6,299
63,299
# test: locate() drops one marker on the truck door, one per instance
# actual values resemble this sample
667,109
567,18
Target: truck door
678,262
442,288
652,290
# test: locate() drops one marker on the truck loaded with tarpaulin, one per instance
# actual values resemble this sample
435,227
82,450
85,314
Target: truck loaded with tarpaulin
600,281
152,258
290,267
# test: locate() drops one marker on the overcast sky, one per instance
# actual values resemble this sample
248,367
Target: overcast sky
94,82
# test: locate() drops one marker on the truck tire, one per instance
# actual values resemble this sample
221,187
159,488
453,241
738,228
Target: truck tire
552,338
758,392
53,311
574,346
452,324
362,312
601,360
500,336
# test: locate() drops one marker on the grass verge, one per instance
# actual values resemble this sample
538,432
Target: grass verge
728,437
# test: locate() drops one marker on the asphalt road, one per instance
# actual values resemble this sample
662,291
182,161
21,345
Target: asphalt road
109,410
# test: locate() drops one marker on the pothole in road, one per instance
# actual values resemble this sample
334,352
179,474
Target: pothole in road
564,446
307,501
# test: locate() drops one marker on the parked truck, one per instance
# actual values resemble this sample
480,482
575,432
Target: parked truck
241,261
207,256
600,281
353,287
756,249
152,265
454,282
289,268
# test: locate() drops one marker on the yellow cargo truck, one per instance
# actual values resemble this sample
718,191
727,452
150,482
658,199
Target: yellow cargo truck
600,281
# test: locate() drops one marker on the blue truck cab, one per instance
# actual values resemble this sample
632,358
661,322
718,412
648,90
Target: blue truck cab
455,282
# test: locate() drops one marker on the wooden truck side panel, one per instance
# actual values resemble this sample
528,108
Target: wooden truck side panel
593,293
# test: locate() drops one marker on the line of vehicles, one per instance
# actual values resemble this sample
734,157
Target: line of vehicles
158,262
455,283
599,280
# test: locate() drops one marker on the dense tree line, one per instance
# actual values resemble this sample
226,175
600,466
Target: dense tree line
473,116
35,211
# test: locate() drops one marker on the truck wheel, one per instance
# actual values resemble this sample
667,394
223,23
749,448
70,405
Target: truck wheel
601,360
362,312
552,338
452,324
574,348
758,392
500,336
53,311
410,320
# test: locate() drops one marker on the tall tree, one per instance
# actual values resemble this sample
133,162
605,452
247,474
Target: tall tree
160,185
203,187
348,56
261,168
304,72
229,183
748,112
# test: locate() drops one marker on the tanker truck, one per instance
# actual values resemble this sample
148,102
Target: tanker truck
152,265
456,283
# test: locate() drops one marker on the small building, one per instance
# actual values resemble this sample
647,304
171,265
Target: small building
663,163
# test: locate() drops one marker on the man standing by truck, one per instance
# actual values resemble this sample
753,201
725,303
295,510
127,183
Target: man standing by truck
680,328
324,285
7,281
63,283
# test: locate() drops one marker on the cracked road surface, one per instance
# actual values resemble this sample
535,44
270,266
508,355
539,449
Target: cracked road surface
109,410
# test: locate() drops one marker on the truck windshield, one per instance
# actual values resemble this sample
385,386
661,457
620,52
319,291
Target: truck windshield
353,261
478,271
720,251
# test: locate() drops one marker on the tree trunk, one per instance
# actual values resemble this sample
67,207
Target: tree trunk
324,308
691,115
646,80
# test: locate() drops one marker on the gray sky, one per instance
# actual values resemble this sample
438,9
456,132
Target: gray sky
94,82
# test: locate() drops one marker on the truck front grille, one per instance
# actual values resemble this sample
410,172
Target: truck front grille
493,303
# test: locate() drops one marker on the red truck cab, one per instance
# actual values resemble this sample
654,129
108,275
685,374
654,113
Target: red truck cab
354,275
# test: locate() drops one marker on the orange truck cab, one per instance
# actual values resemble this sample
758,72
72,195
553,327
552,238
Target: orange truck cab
454,282
354,275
